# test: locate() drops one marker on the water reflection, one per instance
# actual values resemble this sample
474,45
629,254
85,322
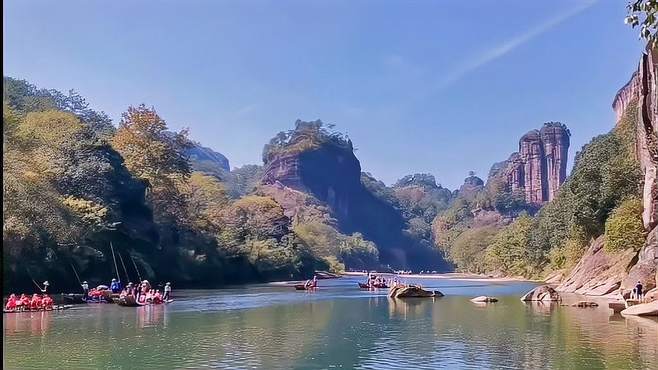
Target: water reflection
542,308
34,323
409,307
152,316
339,327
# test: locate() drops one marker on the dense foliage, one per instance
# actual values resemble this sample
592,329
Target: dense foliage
73,184
624,228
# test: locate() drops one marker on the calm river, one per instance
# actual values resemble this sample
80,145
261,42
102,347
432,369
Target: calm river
275,327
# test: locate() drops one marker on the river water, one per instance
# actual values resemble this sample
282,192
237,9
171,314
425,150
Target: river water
273,326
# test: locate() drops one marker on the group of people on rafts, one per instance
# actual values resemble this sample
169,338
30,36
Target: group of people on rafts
143,293
375,281
38,302
140,292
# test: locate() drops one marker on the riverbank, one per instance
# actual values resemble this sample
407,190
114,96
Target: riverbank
448,275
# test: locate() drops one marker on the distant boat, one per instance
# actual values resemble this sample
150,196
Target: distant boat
303,287
377,285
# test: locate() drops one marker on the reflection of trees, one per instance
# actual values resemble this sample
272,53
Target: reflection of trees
370,332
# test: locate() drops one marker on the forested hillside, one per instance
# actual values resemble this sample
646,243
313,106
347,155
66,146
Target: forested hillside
73,183
173,210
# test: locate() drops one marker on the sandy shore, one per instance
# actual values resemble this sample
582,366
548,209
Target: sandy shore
449,275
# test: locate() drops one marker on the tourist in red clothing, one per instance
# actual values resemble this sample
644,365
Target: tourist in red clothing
11,303
35,303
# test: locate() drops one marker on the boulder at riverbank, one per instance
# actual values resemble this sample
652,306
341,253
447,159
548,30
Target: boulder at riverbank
542,293
642,309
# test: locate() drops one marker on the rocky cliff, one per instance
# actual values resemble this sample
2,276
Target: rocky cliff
471,186
316,162
208,161
598,273
540,166
641,88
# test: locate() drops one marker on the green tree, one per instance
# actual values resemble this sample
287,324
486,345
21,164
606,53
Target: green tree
469,248
357,252
158,157
644,13
510,249
624,228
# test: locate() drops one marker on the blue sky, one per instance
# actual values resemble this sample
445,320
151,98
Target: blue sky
419,86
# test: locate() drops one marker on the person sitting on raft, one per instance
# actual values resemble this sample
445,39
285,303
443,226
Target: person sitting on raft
157,297
96,294
11,303
149,296
310,284
23,303
115,286
47,302
35,303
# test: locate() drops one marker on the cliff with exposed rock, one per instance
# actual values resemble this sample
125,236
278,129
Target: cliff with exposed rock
600,272
311,160
540,166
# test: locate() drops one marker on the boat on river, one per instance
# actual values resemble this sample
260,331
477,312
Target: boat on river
130,301
376,285
304,287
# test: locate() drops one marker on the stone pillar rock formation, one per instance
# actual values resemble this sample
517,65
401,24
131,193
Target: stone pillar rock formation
556,150
540,166
532,155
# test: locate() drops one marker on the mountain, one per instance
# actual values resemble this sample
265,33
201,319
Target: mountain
313,160
208,161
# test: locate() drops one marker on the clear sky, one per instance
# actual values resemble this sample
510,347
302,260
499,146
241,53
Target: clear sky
419,86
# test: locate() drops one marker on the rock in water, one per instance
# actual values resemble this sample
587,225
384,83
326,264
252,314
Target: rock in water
583,304
484,299
642,309
541,293
413,291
